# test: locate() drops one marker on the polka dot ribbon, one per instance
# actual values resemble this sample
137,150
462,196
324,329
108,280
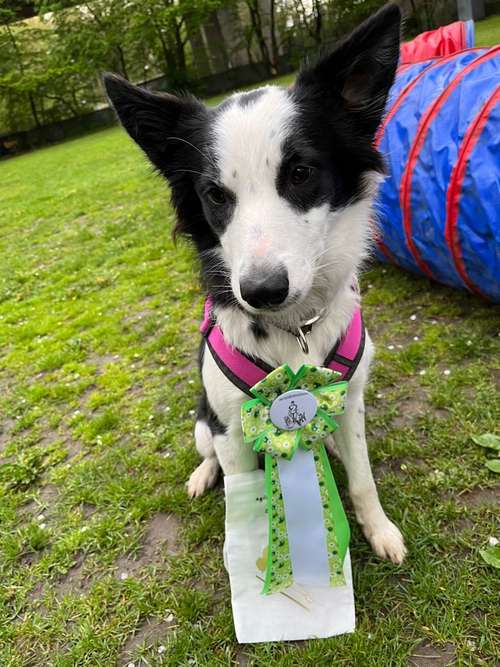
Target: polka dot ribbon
276,442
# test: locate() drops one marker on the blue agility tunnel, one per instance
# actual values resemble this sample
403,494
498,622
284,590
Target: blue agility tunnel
439,207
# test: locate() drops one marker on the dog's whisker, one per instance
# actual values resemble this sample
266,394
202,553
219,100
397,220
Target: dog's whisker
210,160
188,171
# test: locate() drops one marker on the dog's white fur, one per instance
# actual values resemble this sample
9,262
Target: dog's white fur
322,252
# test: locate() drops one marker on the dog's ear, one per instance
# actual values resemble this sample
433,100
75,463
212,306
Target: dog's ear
360,70
157,122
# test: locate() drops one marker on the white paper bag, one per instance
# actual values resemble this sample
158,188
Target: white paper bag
302,611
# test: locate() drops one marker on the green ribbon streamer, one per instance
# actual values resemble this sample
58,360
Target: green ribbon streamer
259,430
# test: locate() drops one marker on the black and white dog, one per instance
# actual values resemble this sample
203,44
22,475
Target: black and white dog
274,188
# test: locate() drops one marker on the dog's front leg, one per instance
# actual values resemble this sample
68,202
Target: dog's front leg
383,535
234,455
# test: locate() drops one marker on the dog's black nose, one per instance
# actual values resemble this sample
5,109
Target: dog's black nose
263,291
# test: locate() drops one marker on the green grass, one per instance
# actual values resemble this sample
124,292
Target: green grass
103,559
488,31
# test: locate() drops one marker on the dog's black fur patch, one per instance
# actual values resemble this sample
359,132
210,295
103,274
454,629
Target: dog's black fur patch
258,329
204,410
206,414
247,98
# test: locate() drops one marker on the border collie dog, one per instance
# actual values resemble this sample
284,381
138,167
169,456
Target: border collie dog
274,188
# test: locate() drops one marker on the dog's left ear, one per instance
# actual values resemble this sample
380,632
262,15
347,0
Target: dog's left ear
359,72
160,123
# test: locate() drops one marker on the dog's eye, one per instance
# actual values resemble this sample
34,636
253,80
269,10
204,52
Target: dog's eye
216,196
300,174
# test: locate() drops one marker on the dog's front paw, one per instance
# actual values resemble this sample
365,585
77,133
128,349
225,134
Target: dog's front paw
386,541
203,478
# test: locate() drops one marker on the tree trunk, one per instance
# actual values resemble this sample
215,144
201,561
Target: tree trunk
256,20
318,21
121,57
34,111
416,15
31,98
180,49
274,41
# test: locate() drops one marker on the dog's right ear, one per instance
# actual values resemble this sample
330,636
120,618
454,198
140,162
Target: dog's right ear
357,74
157,122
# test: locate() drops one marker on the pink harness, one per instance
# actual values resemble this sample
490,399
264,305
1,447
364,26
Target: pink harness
244,371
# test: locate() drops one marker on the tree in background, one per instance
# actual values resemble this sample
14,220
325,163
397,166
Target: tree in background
91,33
51,60
40,79
166,26
17,70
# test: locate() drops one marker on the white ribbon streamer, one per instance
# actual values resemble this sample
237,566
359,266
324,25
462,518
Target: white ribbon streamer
304,519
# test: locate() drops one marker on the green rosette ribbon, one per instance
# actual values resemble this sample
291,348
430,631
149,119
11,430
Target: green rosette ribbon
276,442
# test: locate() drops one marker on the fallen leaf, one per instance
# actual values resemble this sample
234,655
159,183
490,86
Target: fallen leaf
489,440
491,555
493,465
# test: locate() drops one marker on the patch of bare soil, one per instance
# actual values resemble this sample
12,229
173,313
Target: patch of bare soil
47,496
409,408
139,315
30,558
76,580
88,510
36,593
160,542
416,405
479,497
100,360
428,655
42,503
459,525
496,378
242,659
5,431
146,635
73,447
399,467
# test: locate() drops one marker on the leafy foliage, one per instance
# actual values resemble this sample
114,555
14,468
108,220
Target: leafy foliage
50,64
